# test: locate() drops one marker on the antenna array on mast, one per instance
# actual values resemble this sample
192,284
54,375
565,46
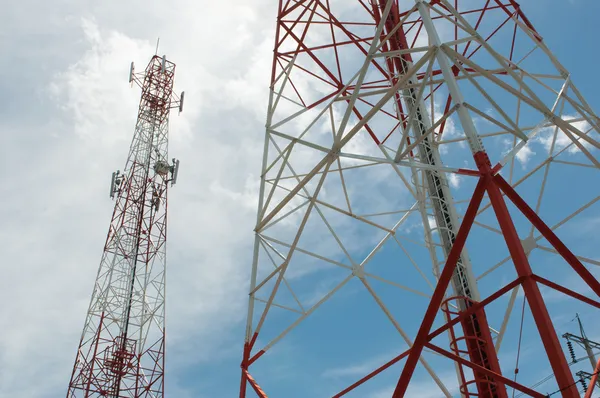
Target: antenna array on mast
121,351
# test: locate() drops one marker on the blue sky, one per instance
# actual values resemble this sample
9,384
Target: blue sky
67,118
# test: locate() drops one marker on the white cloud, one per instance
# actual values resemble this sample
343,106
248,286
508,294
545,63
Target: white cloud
524,155
454,180
551,139
547,136
60,194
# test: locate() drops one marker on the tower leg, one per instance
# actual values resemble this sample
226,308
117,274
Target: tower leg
440,290
595,378
539,311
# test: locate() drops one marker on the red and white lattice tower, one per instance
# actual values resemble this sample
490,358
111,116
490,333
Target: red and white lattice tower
121,352
450,116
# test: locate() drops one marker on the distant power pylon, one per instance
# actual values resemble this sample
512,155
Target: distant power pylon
121,352
589,346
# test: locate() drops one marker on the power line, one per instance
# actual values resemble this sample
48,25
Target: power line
547,378
519,347
569,386
582,340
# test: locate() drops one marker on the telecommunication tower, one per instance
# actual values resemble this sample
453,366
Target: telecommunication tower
121,352
377,110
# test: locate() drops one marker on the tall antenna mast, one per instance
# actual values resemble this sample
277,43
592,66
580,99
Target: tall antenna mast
121,351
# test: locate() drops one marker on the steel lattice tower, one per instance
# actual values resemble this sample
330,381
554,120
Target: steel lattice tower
121,352
414,95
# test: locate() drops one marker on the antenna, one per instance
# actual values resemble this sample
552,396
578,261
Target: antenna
156,51
112,185
174,171
181,101
112,353
131,71
115,183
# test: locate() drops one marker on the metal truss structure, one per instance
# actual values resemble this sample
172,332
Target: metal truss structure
380,114
121,352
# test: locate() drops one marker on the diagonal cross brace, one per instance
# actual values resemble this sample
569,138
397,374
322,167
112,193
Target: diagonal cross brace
495,185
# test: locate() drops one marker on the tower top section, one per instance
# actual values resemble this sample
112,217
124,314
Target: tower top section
156,82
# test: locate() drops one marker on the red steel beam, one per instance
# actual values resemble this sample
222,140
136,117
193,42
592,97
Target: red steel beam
475,328
440,290
547,232
542,319
477,368
593,382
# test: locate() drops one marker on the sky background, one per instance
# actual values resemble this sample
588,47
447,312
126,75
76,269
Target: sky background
66,120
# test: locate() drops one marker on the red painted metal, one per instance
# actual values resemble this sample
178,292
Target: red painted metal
460,317
593,381
455,341
255,386
476,333
473,308
246,362
539,311
480,369
545,230
372,374
527,280
566,291
440,290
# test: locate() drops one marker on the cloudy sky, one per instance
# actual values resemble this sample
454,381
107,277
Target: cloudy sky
67,116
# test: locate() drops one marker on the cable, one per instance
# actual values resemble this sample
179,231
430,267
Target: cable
539,383
519,346
545,379
569,386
